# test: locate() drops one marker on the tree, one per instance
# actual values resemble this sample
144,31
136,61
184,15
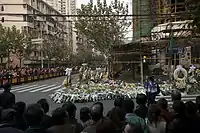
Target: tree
3,46
6,42
102,32
11,41
20,43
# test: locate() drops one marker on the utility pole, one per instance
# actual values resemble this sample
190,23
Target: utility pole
41,47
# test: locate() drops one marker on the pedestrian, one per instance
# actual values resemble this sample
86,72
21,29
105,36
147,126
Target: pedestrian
85,117
141,109
71,110
165,114
155,122
20,107
7,98
33,116
60,121
152,90
46,120
198,105
9,123
180,123
132,128
101,124
131,117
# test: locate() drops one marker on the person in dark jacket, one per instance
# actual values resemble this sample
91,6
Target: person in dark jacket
7,98
117,103
8,117
180,123
198,105
101,124
176,96
85,117
60,121
1,110
141,109
46,120
33,116
152,90
117,115
71,109
193,116
165,114
20,107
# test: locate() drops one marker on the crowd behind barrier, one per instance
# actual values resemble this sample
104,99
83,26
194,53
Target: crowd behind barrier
24,75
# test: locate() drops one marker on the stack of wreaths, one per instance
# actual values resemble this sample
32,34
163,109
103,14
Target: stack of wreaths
107,90
97,92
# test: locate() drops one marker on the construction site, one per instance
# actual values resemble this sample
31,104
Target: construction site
163,38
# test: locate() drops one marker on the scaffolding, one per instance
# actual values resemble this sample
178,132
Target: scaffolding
152,32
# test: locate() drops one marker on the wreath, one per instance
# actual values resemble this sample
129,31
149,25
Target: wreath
180,74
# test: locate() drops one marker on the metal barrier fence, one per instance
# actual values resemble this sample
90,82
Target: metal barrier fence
26,79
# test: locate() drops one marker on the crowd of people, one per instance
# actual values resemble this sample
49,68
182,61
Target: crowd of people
124,117
29,71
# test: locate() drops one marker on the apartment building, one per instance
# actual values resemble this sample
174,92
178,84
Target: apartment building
67,7
32,19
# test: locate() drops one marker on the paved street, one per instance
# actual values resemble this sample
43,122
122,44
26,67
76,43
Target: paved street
31,92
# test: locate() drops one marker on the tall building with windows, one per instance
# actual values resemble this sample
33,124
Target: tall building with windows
67,7
49,28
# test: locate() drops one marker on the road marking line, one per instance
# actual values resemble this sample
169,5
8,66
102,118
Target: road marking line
43,88
31,88
52,88
61,89
23,88
19,86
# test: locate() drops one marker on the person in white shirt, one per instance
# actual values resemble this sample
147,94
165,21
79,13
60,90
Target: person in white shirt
68,72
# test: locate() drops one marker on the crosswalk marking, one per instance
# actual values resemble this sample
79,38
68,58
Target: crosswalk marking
37,88
61,89
25,90
184,98
20,88
52,89
42,88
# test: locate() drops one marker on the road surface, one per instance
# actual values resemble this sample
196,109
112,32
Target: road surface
32,92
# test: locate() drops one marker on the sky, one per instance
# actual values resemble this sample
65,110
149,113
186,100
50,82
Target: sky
79,2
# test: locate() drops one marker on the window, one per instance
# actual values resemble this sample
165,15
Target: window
2,8
24,18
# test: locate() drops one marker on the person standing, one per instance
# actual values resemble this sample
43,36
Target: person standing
67,80
152,90
7,98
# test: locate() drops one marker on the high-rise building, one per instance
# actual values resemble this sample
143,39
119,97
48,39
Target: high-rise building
67,7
